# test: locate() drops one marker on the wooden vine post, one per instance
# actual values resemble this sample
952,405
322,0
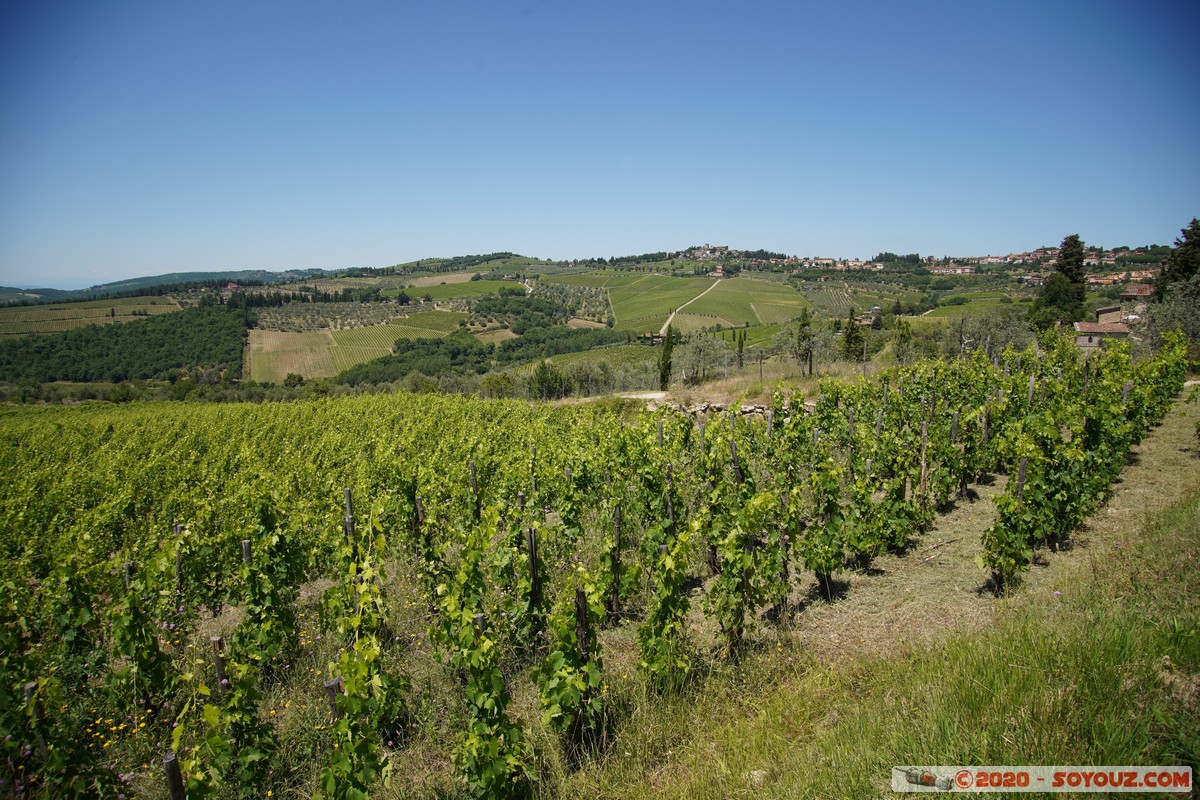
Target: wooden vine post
535,579
218,645
924,463
582,630
785,546
174,777
614,600
737,468
332,688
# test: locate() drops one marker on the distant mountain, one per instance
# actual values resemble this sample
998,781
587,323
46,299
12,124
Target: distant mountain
10,295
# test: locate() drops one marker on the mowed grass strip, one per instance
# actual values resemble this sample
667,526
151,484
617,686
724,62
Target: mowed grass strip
21,320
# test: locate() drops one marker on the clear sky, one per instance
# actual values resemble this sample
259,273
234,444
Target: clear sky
139,138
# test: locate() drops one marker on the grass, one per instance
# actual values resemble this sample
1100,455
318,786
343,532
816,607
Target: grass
21,320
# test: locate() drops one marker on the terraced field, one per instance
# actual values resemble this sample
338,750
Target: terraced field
21,320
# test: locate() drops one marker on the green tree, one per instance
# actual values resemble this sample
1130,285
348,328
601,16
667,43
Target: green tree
798,340
549,382
1056,301
1070,259
664,359
1061,296
852,340
1182,263
903,347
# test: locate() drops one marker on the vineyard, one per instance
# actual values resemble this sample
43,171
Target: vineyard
842,298
738,301
414,563
271,354
21,320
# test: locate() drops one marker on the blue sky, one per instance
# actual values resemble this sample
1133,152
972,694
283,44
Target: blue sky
146,137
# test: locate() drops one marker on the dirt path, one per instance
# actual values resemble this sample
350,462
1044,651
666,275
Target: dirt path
663,330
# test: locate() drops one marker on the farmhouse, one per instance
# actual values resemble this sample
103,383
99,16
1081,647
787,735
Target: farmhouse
1089,335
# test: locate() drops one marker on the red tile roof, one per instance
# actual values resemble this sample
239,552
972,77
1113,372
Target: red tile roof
1101,327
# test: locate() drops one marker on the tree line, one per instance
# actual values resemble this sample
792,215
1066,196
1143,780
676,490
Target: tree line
211,337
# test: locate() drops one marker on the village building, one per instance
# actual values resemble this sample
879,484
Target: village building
1137,291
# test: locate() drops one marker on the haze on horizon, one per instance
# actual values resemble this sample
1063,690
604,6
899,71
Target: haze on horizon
143,138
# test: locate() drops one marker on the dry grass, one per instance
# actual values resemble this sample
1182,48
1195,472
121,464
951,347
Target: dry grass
495,337
576,322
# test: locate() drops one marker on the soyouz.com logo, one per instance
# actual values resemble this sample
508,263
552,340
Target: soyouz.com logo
1175,780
